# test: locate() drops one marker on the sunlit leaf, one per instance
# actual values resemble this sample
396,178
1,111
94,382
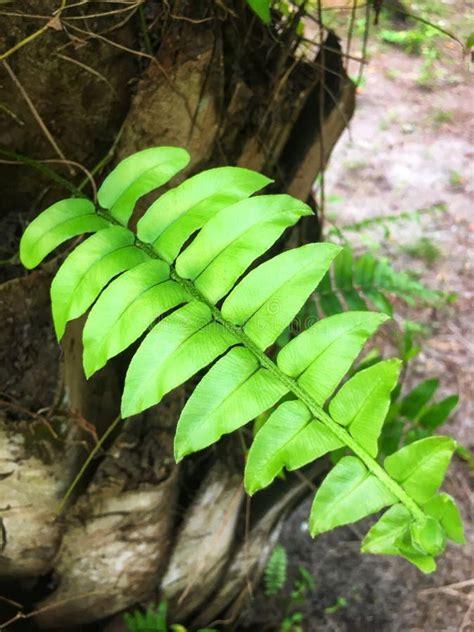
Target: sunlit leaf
55,225
348,493
88,269
420,467
137,175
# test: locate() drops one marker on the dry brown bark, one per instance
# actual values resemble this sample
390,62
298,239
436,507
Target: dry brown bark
232,91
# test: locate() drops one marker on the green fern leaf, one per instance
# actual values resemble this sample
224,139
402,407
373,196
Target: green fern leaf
88,269
188,340
389,536
137,175
412,404
435,415
55,225
275,571
420,467
192,250
363,402
261,8
321,356
368,280
178,213
126,308
443,508
290,438
234,391
233,239
344,280
269,297
348,493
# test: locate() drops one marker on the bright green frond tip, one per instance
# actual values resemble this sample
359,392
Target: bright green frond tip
159,288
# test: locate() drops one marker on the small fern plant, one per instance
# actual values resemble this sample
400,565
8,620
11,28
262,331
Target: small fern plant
187,261
276,571
356,282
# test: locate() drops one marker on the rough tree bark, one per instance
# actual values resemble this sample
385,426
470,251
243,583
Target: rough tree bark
91,88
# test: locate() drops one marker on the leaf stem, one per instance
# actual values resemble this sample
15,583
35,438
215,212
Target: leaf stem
86,463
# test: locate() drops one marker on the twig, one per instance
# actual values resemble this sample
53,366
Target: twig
462,584
146,35
21,615
36,115
351,29
112,43
103,161
365,42
94,72
128,7
322,152
11,602
33,16
465,620
304,479
138,54
33,35
418,18
87,462
191,20
446,591
15,158
89,175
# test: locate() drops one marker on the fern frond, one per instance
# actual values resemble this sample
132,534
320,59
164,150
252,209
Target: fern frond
188,258
366,281
276,571
153,620
385,221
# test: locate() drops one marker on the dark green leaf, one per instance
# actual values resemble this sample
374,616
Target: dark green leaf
436,415
412,404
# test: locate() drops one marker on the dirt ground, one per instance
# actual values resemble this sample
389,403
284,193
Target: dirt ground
409,147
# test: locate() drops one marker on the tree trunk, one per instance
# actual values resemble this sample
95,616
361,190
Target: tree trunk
90,89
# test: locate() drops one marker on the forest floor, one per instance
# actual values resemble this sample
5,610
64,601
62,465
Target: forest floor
410,146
